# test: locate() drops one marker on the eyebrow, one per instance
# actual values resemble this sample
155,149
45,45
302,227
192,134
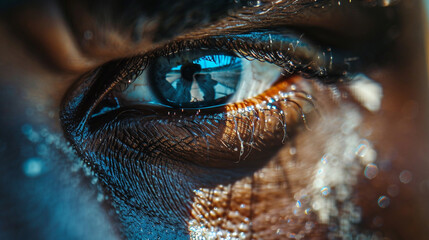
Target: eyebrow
93,28
174,17
87,31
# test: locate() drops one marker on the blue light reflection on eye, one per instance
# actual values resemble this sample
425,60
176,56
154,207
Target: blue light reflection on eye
212,61
197,81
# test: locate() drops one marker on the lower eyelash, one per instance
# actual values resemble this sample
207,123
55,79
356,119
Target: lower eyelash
225,137
251,125
266,108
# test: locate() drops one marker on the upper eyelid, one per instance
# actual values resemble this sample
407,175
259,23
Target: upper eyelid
126,71
289,50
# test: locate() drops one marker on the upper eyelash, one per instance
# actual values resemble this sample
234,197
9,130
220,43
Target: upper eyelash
250,48
284,50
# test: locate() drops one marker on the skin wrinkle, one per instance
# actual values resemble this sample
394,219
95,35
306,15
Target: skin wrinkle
383,126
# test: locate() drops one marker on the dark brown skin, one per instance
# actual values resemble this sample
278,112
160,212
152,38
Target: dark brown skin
48,47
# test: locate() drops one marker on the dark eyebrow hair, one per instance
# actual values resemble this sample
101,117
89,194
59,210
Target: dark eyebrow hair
174,17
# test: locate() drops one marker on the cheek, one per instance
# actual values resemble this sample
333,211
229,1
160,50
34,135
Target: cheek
393,199
354,169
46,191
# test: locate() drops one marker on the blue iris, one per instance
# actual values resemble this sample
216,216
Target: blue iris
196,82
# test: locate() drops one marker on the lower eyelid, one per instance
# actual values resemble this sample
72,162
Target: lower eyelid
233,136
278,112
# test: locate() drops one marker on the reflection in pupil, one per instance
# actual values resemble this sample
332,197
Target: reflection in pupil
188,71
183,89
206,84
206,81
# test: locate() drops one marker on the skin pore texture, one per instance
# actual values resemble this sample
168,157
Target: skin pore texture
312,157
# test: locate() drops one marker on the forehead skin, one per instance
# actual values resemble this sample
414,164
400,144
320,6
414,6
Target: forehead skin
44,49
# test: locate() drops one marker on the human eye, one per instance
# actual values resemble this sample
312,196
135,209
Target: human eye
221,70
229,94
261,121
240,94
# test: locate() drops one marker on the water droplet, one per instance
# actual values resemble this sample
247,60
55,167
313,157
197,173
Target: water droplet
298,204
242,227
307,211
361,149
325,191
383,201
29,132
365,152
33,167
94,181
100,197
371,171
405,176
324,159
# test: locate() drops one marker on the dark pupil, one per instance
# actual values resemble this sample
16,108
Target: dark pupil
204,82
188,71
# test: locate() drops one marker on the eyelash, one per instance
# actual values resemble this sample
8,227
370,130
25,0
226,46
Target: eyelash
256,46
257,108
233,130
